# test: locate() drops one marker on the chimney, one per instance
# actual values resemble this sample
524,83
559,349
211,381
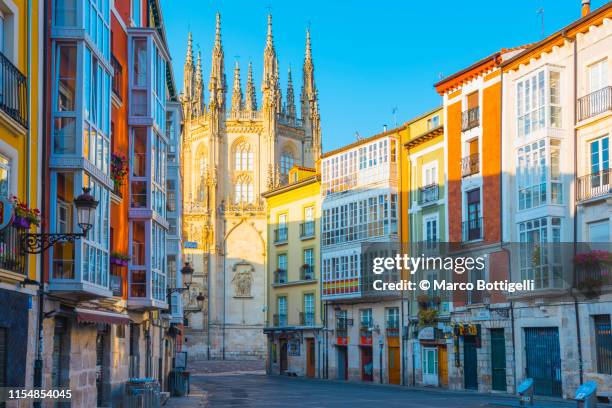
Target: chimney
586,7
384,128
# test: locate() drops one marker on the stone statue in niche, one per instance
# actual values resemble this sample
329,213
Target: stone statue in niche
243,279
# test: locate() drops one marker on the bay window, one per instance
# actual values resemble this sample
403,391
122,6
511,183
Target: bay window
538,99
540,252
539,175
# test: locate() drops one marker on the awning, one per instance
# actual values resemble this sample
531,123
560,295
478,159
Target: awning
98,316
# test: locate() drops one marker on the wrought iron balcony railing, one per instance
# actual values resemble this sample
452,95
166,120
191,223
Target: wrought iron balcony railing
428,194
280,276
594,103
472,230
470,165
11,256
307,272
307,318
13,92
307,229
280,235
593,185
470,118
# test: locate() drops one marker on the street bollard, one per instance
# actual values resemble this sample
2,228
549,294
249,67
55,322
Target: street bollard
525,392
586,395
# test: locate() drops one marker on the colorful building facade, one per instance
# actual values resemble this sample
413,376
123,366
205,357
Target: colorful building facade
293,311
20,183
557,106
360,222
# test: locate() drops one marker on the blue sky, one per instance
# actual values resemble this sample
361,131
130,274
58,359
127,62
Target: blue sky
369,56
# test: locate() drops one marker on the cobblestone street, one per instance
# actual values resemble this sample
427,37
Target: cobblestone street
245,384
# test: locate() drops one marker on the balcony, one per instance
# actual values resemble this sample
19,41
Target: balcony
11,257
594,103
342,325
470,165
592,278
13,92
280,276
280,235
593,185
470,119
307,272
279,320
428,194
307,230
472,230
117,78
307,318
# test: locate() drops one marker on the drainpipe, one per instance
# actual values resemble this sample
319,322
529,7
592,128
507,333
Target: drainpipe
576,311
224,258
38,362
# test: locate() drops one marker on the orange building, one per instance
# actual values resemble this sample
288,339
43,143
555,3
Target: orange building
481,322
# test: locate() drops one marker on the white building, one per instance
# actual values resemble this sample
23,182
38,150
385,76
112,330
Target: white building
359,189
556,125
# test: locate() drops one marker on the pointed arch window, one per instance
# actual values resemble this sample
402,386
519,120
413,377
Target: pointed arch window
286,162
243,190
243,157
202,167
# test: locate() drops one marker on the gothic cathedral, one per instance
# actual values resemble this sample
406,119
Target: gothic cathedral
230,157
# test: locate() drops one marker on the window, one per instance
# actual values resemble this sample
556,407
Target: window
282,310
136,13
538,101
365,318
600,162
309,309
286,162
430,174
474,222
433,122
171,192
243,190
540,252
603,340
598,75
243,157
65,13
539,167
64,253
599,231
282,262
64,140
430,228
5,176
308,272
392,317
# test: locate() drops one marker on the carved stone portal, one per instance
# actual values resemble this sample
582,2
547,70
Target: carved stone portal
243,279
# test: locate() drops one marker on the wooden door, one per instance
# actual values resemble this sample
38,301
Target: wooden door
342,362
310,358
394,365
430,366
443,366
367,364
498,360
470,370
283,356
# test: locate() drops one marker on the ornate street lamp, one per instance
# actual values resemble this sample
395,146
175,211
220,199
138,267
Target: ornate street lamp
187,274
86,205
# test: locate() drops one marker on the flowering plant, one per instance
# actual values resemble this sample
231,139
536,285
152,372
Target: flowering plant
119,170
593,258
117,258
32,215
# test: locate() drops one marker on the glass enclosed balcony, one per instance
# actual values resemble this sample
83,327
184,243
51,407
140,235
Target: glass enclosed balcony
147,270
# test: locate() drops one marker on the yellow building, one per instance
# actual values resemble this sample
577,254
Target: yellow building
293,315
20,152
422,230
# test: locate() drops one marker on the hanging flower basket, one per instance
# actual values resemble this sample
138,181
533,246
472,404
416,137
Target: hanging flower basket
119,171
119,259
593,270
24,216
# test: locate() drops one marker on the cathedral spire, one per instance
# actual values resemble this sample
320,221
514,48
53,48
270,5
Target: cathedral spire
217,70
309,90
310,102
251,96
290,102
237,101
198,91
270,67
188,71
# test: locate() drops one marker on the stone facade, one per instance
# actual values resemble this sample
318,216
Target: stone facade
230,157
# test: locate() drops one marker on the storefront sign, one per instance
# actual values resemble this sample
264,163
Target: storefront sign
427,333
6,212
190,245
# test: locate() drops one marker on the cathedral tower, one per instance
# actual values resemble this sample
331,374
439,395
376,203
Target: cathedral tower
230,157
